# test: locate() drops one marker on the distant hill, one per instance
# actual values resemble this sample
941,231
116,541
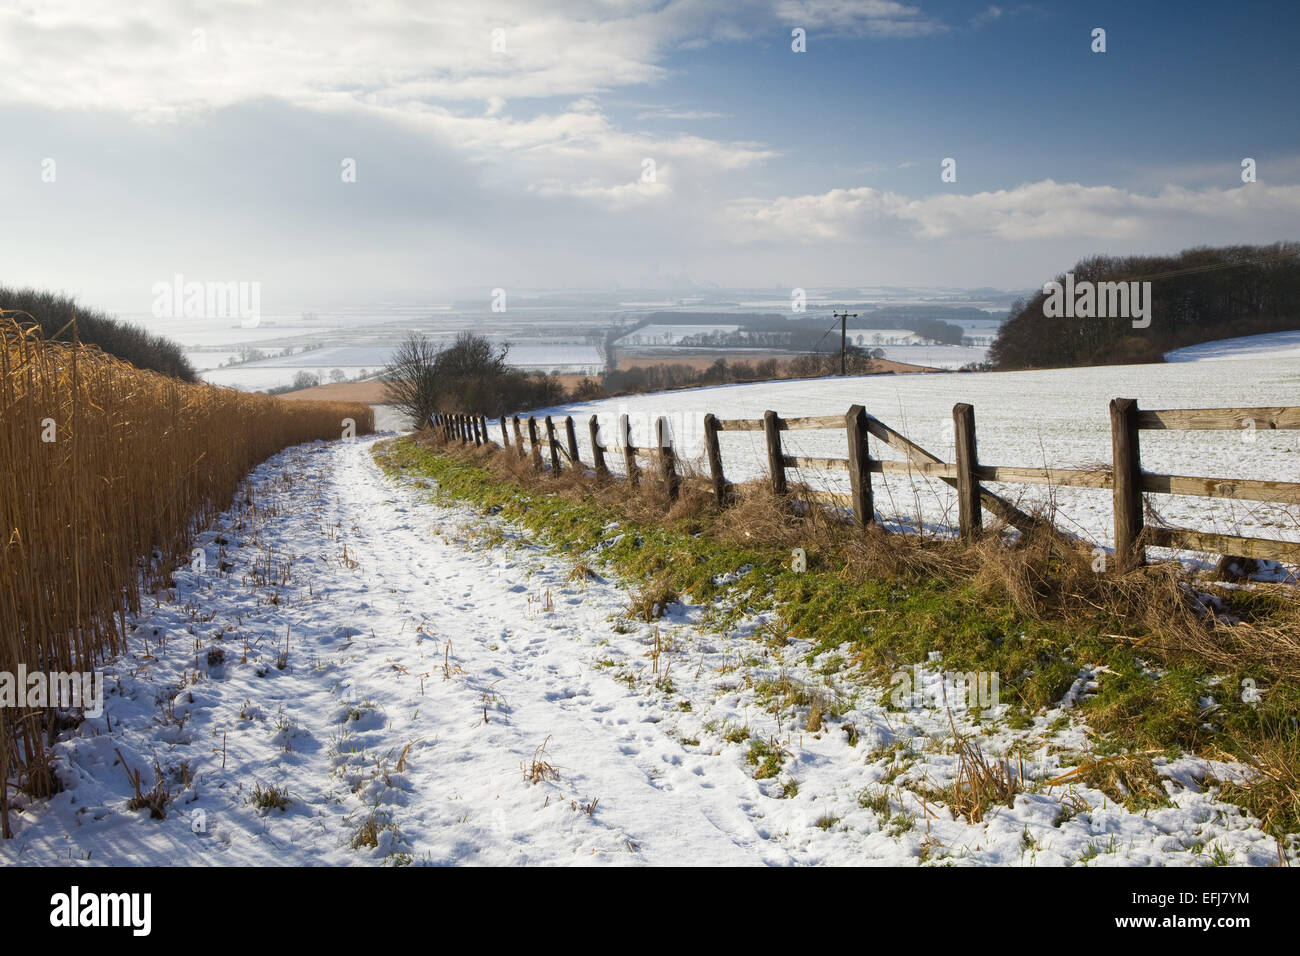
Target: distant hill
54,314
1200,295
804,330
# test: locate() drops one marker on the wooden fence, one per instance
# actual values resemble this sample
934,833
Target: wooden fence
1125,477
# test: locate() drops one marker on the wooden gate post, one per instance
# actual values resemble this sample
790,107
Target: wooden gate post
667,458
864,505
775,457
572,437
629,452
554,446
969,513
714,451
519,435
1127,477
597,453
532,441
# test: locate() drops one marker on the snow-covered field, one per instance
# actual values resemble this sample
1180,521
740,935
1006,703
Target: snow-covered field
398,665
657,334
274,372
935,356
1267,346
1055,418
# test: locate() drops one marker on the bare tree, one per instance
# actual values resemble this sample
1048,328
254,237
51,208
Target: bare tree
411,377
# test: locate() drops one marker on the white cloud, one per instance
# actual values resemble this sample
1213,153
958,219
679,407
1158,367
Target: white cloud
670,114
883,18
1044,210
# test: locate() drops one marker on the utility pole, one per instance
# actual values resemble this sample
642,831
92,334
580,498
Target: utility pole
844,350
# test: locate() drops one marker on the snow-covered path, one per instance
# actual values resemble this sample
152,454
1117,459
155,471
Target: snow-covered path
404,640
516,664
396,663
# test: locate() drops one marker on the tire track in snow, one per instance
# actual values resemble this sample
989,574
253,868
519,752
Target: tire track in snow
606,740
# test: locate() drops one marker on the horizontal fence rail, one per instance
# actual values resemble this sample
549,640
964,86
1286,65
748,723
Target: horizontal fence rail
1124,477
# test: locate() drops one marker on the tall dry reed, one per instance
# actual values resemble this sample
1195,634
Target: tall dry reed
106,471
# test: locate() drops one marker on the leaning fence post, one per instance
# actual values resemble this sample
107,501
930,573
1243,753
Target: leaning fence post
555,448
775,457
864,505
597,453
505,435
532,442
714,451
667,458
629,452
574,458
1127,477
519,435
969,513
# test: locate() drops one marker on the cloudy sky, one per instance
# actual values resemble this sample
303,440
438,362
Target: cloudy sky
602,144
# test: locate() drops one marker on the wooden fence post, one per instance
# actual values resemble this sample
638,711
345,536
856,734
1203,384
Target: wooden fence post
969,513
714,451
775,457
532,441
519,435
479,435
597,453
629,452
667,458
554,446
1127,477
864,505
574,458
505,435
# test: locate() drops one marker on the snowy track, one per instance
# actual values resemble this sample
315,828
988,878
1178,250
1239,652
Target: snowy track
431,651
370,672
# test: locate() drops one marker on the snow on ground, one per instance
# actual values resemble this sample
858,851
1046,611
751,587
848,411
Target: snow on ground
397,664
1273,345
1055,418
280,370
950,357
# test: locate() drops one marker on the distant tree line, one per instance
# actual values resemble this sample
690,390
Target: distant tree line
60,318
806,330
1200,295
669,375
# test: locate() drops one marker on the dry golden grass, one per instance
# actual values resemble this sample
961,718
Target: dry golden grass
106,472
